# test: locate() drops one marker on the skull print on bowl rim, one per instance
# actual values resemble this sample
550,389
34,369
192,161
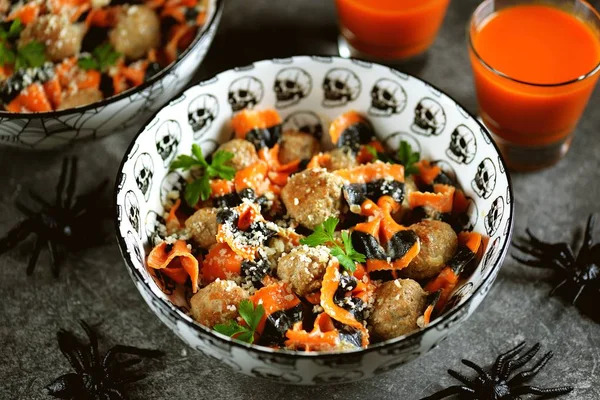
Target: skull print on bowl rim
338,85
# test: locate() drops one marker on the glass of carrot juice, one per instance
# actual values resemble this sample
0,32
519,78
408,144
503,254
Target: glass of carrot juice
388,30
535,64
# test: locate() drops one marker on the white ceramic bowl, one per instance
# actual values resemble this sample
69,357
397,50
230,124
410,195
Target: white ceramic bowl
123,113
399,106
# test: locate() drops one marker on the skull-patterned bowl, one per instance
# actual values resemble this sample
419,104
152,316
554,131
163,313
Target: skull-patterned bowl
123,113
309,92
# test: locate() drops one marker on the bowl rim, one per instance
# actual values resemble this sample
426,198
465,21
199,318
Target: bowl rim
170,309
200,36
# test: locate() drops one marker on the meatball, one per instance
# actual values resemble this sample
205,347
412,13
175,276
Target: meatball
341,158
136,32
80,98
409,187
4,7
297,146
276,247
100,3
61,38
202,226
438,245
312,196
397,307
303,268
244,153
217,303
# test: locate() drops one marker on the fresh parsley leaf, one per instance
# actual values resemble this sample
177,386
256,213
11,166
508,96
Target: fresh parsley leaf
183,162
229,329
218,167
408,158
7,55
250,314
200,188
103,57
372,151
15,29
87,63
323,235
343,259
197,152
251,317
195,190
31,55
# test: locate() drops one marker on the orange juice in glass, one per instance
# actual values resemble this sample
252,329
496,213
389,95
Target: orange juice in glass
389,30
535,64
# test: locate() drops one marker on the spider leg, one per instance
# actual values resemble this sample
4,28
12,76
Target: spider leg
136,351
60,187
39,243
16,235
547,392
130,379
35,196
89,200
509,355
451,391
460,377
559,250
474,366
578,294
71,183
588,241
515,364
54,262
128,363
115,394
524,376
24,209
558,287
95,354
70,347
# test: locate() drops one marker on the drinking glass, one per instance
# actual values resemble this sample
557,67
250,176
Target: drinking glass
532,123
388,30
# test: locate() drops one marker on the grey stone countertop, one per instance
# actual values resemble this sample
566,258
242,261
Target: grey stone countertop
95,285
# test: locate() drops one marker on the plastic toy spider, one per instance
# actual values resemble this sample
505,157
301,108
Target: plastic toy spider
497,384
95,377
68,223
582,273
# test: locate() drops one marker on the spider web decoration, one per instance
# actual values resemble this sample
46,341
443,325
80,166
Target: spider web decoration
70,222
96,377
497,383
578,276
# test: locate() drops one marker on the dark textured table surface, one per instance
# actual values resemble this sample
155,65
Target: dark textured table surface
96,287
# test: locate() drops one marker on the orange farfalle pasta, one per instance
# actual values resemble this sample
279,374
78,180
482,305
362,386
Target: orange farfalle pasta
277,173
172,258
440,200
331,281
323,337
387,232
274,297
247,120
373,171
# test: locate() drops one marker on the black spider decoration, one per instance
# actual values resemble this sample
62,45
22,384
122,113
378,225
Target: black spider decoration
497,383
95,377
581,273
70,222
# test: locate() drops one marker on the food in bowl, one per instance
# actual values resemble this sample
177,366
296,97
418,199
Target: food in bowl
284,244
59,54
